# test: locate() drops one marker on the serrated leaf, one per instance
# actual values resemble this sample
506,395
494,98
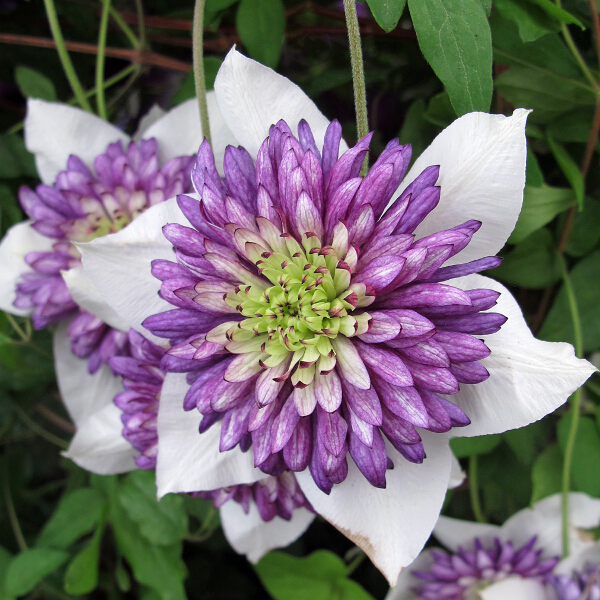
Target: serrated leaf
455,38
481,444
261,26
387,13
569,168
34,85
532,264
540,206
320,576
558,326
27,569
77,514
163,522
585,467
81,576
546,474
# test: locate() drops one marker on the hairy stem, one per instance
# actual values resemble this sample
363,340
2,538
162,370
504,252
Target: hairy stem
199,77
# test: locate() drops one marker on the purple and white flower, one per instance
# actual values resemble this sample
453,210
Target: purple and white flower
469,180
517,560
577,577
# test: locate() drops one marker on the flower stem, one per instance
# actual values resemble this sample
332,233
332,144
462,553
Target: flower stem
101,104
199,77
139,8
118,19
575,407
65,59
10,506
474,491
358,74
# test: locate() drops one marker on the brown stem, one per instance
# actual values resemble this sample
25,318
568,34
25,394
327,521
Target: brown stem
146,57
596,21
54,418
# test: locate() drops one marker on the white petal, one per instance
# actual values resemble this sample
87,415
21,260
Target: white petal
482,176
457,475
179,133
248,534
406,581
98,445
55,131
85,293
390,525
453,533
544,521
152,116
577,561
19,240
515,588
528,378
119,265
187,460
252,97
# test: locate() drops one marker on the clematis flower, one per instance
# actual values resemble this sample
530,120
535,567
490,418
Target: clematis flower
300,372
577,577
518,560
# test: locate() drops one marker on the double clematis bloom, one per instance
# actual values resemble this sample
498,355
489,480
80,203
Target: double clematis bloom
311,328
519,560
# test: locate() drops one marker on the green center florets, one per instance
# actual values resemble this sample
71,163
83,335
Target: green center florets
307,306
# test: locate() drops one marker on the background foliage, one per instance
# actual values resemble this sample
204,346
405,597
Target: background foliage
65,533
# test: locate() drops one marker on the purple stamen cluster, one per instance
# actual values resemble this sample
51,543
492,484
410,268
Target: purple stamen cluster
458,576
142,382
274,496
582,585
79,207
317,322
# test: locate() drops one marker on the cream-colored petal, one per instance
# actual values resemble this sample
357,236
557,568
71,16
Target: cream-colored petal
403,590
482,176
390,525
19,241
528,378
248,534
54,131
515,588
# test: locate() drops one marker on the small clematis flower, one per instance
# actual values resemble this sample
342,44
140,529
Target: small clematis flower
576,577
311,327
517,560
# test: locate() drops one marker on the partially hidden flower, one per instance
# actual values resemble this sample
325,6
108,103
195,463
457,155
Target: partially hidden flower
310,321
517,560
577,577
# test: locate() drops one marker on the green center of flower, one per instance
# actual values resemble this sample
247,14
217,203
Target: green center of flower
308,304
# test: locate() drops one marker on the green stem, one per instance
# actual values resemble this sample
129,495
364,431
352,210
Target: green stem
65,59
38,429
139,7
356,562
10,506
573,48
199,77
16,327
358,74
100,57
575,407
474,491
118,19
592,385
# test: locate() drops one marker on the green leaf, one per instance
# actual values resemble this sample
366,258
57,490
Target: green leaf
188,88
558,13
525,442
531,20
455,38
163,522
439,111
261,27
9,207
534,175
15,160
569,168
585,468
77,514
5,559
82,573
215,5
158,567
585,232
532,264
416,130
320,576
34,85
546,474
558,326
27,569
481,444
540,206
550,95
387,13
